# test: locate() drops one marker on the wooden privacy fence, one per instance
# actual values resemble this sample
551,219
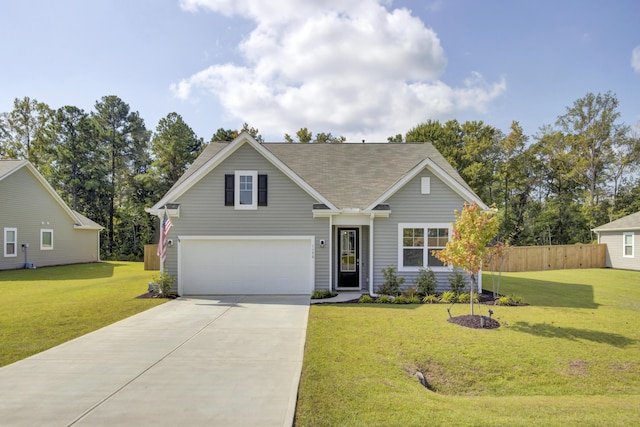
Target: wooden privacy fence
560,257
151,258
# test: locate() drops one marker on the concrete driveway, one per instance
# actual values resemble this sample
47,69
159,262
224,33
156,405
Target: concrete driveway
227,361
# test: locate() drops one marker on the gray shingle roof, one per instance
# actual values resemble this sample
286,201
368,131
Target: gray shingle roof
629,222
355,175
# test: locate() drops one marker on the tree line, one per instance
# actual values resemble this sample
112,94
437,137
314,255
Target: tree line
551,188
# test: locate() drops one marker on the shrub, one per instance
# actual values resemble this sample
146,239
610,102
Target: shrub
516,299
509,300
465,297
504,300
448,297
322,293
384,299
401,300
457,281
431,299
410,292
365,299
165,281
392,282
426,282
413,300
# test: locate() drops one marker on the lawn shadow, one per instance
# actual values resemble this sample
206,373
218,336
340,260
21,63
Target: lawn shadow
547,293
95,270
548,330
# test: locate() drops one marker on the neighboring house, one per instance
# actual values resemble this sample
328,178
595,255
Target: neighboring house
34,218
271,218
622,245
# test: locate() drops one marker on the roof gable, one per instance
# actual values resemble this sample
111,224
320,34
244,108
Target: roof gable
9,167
363,175
341,176
212,157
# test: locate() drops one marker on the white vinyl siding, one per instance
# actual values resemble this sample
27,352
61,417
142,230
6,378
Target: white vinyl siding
627,243
10,242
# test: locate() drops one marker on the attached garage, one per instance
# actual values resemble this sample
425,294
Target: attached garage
239,265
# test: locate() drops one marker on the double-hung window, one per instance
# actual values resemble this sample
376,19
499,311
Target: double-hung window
10,242
627,245
417,243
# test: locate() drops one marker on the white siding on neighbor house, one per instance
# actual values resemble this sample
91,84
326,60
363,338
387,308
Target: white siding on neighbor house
289,211
615,254
409,205
29,207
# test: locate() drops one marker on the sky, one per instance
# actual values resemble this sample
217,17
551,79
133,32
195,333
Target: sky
363,69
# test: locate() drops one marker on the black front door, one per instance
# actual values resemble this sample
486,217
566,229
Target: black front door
348,258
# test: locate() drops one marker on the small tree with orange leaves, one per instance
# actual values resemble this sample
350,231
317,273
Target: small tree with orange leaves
473,230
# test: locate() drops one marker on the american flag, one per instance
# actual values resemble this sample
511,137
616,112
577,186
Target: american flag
164,231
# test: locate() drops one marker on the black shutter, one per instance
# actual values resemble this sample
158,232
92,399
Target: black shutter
228,190
262,190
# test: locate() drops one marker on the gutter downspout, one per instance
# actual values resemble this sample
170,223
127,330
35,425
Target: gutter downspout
371,217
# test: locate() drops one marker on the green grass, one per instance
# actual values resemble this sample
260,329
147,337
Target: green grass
42,308
571,358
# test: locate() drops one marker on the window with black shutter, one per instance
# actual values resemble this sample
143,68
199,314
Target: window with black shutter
247,191
229,189
262,190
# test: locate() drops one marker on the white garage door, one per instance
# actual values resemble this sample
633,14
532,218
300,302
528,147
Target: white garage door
242,265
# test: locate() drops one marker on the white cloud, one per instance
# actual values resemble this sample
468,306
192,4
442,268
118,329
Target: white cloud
350,67
635,59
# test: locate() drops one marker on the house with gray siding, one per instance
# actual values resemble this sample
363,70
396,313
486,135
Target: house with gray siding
37,227
622,245
282,218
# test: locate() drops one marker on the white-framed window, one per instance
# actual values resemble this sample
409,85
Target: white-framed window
627,245
46,239
246,190
417,242
10,242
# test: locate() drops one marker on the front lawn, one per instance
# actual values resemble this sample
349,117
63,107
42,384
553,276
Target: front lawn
42,308
571,358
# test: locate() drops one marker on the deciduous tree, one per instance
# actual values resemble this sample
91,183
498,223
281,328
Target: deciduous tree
473,230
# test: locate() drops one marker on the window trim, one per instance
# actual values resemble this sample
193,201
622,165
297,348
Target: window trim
625,245
42,247
15,242
425,254
254,190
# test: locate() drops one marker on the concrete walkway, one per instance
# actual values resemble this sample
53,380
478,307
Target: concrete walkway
228,361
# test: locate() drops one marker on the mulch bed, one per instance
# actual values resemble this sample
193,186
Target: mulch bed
475,321
155,295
